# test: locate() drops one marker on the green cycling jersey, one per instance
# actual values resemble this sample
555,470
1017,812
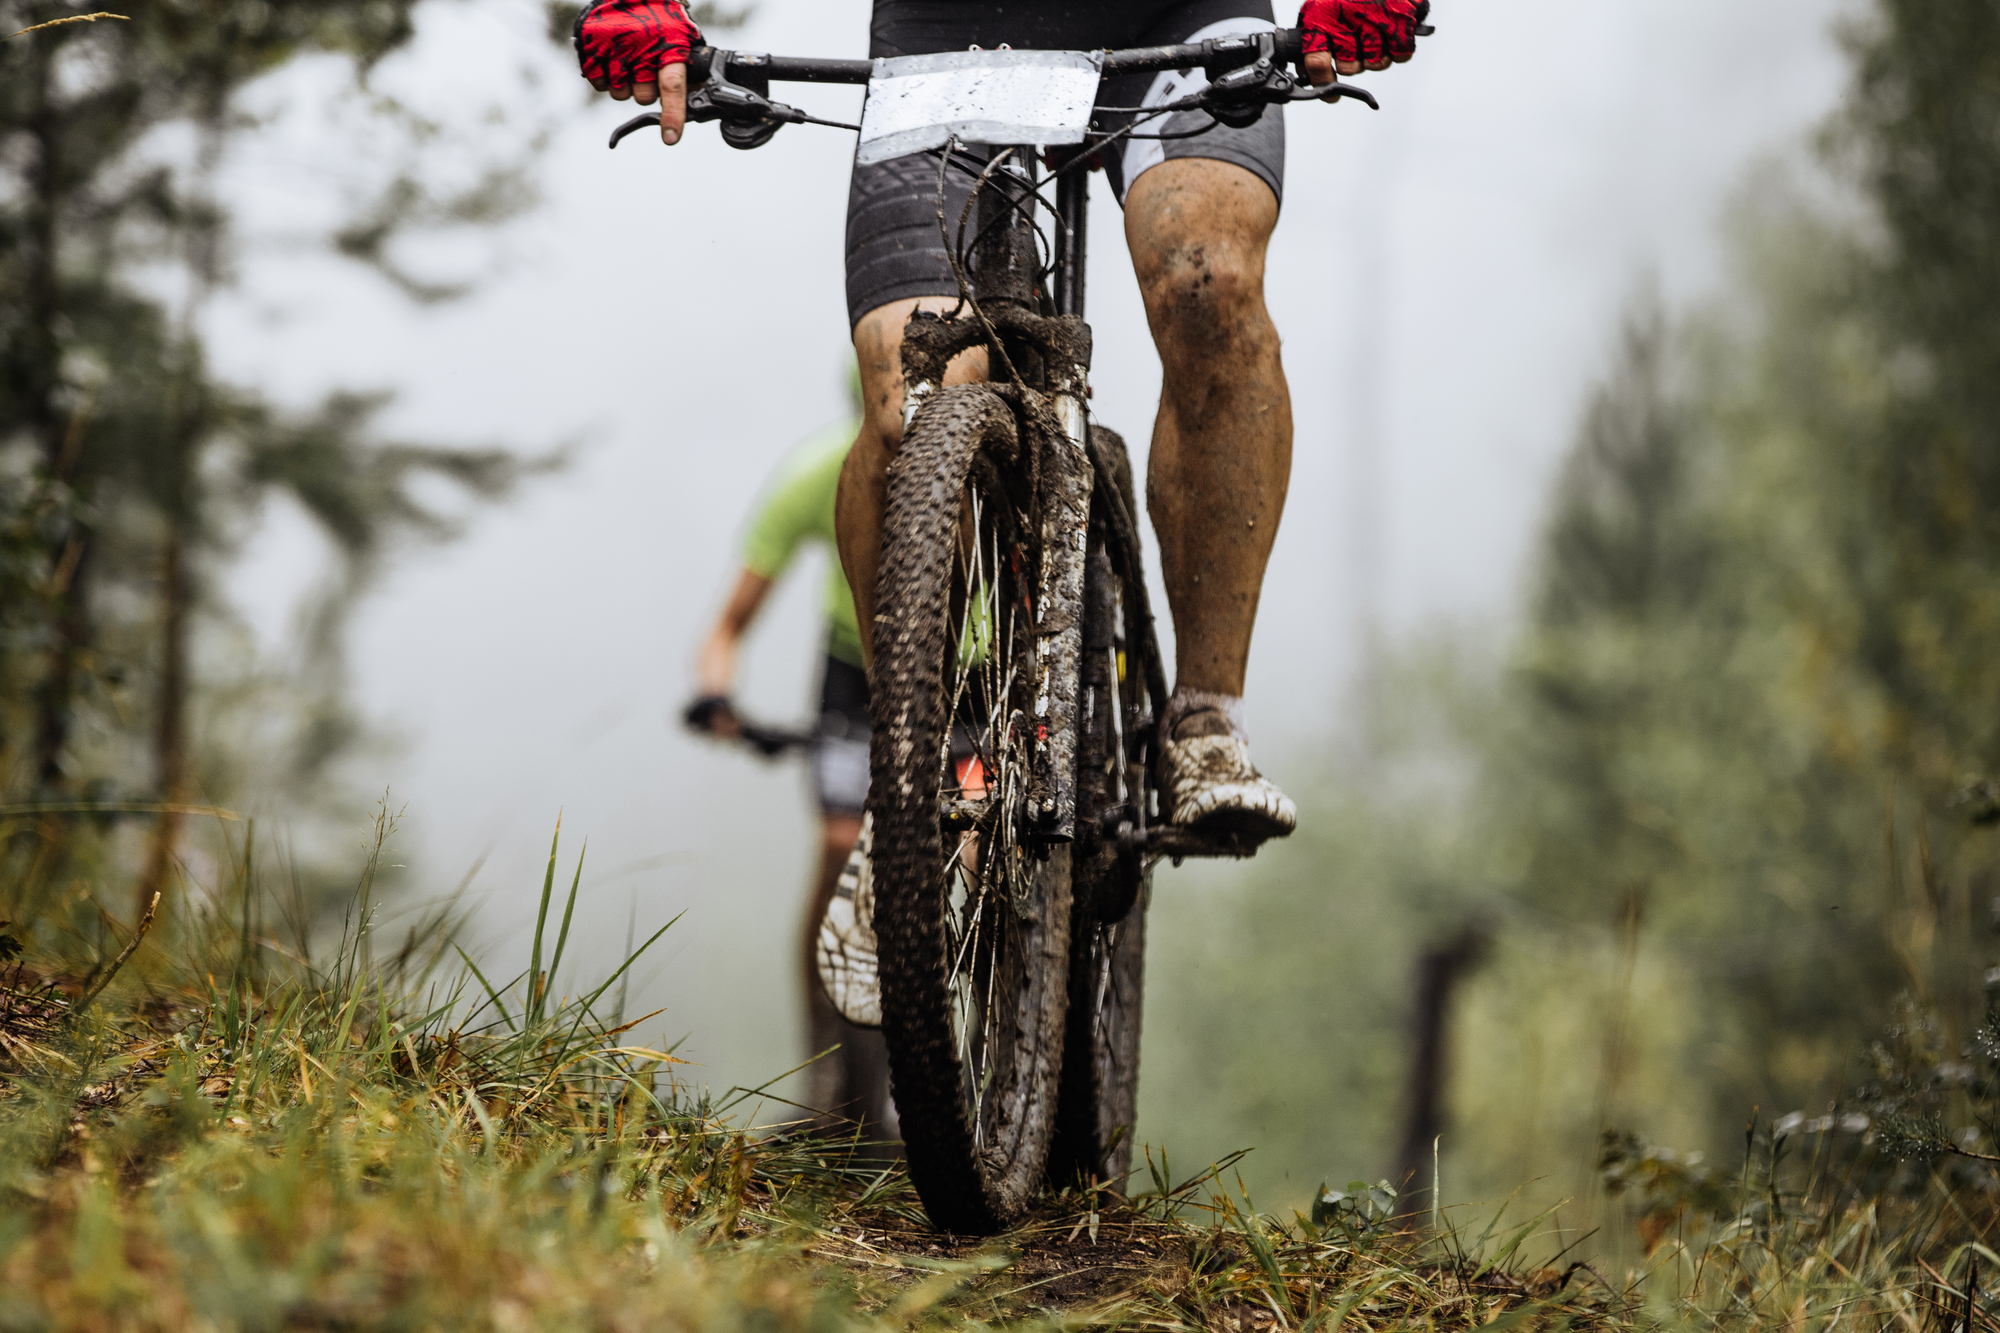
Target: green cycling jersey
797,507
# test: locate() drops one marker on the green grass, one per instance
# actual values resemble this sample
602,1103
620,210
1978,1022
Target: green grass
229,1133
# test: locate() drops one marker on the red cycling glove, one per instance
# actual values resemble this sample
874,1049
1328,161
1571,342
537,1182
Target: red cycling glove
1370,33
623,42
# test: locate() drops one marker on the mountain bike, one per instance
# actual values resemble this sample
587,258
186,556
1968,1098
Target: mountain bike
1017,678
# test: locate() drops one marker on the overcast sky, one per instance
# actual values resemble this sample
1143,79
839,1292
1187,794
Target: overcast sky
678,315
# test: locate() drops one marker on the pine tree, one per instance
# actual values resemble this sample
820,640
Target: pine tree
126,468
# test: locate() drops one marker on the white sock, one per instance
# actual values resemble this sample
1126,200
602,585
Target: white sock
1186,701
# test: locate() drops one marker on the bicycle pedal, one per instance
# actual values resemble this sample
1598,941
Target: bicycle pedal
1171,840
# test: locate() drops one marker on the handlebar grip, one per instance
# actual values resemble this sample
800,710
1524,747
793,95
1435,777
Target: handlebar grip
777,69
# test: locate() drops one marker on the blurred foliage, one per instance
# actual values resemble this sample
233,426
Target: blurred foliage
130,476
1726,796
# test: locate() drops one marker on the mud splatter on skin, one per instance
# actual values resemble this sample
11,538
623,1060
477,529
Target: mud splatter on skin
1222,443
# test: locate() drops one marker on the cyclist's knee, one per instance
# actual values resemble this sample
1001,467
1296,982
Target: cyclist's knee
1198,231
878,351
1202,289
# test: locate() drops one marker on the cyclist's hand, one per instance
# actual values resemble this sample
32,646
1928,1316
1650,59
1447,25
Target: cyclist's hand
714,715
638,49
1352,35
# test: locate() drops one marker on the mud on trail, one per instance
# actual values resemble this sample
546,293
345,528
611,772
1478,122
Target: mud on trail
1214,1268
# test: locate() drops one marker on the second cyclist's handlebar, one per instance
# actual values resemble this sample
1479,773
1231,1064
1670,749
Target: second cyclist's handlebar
1223,51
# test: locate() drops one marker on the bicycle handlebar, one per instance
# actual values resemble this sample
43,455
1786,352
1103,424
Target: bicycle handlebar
1245,73
1136,60
765,740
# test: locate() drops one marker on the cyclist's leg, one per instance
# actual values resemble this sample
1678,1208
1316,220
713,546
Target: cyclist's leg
864,478
1199,211
831,1087
1216,480
852,1083
1222,443
1200,205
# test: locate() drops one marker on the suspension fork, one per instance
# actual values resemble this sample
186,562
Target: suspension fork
1007,266
1052,355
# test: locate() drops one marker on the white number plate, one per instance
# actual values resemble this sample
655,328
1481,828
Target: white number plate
987,97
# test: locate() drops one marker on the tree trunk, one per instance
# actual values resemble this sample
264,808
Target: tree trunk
68,602
1439,971
170,729
189,425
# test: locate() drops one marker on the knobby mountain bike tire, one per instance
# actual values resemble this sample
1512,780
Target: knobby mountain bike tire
1100,1080
972,923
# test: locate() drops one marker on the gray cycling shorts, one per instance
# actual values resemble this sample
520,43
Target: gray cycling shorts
840,749
894,250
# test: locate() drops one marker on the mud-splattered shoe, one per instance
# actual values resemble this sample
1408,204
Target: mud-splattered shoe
1210,783
845,952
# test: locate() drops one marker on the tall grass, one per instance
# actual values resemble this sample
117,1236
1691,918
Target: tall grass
242,1133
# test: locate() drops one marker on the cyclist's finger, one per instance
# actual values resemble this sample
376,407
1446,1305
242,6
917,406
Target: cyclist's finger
1374,53
673,102
645,92
620,92
1319,68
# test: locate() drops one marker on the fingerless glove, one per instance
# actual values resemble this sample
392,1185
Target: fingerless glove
623,42
1370,33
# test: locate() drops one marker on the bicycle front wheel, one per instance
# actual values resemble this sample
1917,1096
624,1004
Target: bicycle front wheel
971,917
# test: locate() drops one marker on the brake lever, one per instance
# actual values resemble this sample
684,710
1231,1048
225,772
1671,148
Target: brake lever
1335,92
1239,96
632,125
755,116
751,111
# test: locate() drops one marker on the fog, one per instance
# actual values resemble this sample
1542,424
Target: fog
1445,274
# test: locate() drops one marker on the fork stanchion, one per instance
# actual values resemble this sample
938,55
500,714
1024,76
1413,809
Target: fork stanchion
1072,240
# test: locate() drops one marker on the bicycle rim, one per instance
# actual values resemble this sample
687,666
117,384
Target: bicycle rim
972,919
1100,1085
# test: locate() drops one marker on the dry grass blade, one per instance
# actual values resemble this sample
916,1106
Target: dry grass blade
124,956
74,18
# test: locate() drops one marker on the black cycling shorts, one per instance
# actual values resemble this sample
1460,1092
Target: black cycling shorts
840,755
893,247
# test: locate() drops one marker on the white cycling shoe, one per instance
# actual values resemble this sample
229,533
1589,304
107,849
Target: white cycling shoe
1210,783
845,952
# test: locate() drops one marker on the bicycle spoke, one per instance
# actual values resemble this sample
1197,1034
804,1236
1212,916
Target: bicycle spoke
982,759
